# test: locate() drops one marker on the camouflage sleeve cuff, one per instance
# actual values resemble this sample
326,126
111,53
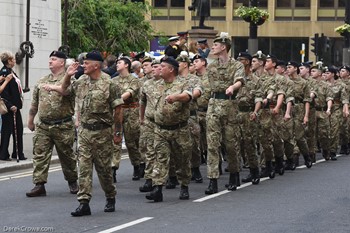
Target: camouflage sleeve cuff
290,99
270,92
257,100
345,102
307,100
117,102
188,92
131,92
280,92
239,79
329,98
199,89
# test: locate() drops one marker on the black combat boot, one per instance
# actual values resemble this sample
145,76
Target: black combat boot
114,174
232,184
248,178
156,195
279,166
184,195
270,169
255,175
38,190
307,160
136,174
325,154
333,156
171,182
147,187
344,150
83,209
212,187
142,170
263,173
296,159
110,205
313,157
290,165
197,176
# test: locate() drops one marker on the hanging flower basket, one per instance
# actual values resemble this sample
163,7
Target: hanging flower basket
343,29
252,14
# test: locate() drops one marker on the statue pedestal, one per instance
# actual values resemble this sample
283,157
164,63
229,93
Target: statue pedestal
200,33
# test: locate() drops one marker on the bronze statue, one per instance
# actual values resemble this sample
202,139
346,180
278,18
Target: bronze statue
203,10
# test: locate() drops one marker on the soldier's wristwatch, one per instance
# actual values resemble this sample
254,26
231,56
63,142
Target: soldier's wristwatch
118,133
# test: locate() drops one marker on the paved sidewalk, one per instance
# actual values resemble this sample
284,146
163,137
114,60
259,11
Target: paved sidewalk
6,166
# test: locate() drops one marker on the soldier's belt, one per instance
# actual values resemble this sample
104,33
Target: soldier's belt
56,122
96,126
245,108
131,105
202,109
221,96
173,127
319,108
193,113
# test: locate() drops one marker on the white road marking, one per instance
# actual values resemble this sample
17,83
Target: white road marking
245,185
129,224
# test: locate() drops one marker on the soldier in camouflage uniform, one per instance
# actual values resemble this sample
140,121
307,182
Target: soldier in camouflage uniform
101,97
193,123
130,87
344,74
323,104
55,128
246,106
301,111
147,109
172,130
200,65
226,76
339,110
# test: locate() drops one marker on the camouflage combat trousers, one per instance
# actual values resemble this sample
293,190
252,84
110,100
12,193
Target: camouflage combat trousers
96,148
203,131
222,125
45,138
166,143
311,131
323,129
344,132
147,133
335,120
195,135
266,135
249,136
131,130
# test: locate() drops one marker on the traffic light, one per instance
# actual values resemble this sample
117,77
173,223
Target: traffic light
315,44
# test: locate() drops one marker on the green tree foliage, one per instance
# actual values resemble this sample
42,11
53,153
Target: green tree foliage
114,26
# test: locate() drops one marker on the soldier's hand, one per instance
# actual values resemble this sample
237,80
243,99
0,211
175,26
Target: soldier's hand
72,69
346,114
265,101
48,87
31,126
253,116
9,77
13,108
170,99
328,112
229,91
286,117
305,120
275,110
117,139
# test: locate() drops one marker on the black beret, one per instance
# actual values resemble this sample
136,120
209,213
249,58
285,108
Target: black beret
58,54
330,69
93,56
346,68
202,41
293,63
147,59
271,56
245,55
306,64
280,63
182,33
182,58
259,55
197,56
170,61
139,56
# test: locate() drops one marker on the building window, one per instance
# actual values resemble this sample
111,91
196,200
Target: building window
218,3
331,10
169,9
297,10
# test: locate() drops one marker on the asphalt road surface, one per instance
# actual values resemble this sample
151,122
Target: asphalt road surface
304,200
